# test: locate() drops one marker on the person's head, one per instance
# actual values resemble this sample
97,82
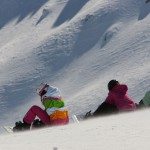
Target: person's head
42,89
112,84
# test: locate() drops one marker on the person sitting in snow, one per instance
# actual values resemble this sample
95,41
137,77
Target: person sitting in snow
145,102
54,113
118,96
117,100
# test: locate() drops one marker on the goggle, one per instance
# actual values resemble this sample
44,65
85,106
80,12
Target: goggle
41,88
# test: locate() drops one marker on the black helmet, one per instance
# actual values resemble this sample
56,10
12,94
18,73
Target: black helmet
112,84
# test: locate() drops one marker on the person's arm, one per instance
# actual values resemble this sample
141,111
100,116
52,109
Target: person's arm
124,103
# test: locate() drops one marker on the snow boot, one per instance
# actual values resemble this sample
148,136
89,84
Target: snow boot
38,124
21,126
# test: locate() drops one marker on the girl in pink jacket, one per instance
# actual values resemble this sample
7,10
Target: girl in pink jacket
118,96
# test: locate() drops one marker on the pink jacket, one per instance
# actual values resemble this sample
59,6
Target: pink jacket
119,98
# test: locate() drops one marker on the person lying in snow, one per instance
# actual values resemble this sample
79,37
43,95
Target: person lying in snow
54,113
116,101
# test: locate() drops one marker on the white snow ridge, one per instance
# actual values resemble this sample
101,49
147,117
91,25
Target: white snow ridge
78,46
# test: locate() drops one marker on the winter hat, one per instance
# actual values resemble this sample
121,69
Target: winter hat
112,84
146,99
53,92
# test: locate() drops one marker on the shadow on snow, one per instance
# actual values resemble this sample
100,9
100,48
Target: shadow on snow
69,11
20,9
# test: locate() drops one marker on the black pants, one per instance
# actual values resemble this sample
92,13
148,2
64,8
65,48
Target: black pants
105,109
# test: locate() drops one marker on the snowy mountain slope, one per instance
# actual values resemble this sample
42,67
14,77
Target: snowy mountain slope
77,46
18,67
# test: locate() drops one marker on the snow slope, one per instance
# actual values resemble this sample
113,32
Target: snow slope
76,45
119,132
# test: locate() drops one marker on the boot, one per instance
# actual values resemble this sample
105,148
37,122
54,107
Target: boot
21,126
38,123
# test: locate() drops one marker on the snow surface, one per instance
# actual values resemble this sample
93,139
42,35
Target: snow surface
118,132
78,46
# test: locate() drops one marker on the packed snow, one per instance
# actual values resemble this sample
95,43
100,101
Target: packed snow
121,132
78,46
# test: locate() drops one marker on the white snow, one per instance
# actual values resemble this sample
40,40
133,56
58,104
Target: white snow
118,132
78,46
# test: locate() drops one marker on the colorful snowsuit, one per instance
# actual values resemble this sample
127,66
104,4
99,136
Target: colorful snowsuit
54,108
118,97
54,113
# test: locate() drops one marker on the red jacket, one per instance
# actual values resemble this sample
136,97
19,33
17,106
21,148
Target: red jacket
118,97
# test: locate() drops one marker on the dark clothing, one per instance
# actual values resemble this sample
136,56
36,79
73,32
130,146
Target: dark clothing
105,109
140,105
23,126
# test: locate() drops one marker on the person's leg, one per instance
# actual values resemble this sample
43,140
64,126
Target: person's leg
36,111
105,109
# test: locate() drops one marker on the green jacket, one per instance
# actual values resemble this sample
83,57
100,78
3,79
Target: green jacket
146,99
49,103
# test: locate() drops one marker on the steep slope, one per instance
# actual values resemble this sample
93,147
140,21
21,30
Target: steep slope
77,46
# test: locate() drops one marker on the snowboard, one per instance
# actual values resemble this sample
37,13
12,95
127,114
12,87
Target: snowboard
75,119
8,129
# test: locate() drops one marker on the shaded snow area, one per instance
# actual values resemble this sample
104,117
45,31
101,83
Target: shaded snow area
78,46
119,132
